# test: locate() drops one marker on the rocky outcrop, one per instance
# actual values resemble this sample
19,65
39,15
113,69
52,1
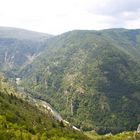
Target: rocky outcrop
138,129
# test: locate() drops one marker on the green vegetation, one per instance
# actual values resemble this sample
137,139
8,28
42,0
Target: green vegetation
18,48
91,78
121,136
19,120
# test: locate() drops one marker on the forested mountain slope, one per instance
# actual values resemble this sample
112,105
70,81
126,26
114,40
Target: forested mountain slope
20,119
19,47
91,77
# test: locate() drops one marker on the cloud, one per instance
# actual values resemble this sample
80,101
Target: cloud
53,16
122,13
111,7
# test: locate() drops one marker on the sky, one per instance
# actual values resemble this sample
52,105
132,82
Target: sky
58,16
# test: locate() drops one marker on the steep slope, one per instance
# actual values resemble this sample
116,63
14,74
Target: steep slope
19,119
91,77
19,47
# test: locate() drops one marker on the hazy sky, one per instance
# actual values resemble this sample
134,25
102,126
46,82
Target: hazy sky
58,16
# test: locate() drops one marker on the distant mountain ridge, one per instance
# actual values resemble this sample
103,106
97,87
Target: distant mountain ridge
18,47
21,34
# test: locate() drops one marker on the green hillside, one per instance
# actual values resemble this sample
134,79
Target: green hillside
121,136
20,120
19,48
91,77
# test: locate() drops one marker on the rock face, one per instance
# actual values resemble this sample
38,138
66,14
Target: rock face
138,129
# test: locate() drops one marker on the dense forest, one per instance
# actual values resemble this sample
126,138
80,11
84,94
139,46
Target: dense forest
91,78
19,119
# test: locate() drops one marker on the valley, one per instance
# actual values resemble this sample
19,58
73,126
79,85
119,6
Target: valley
86,82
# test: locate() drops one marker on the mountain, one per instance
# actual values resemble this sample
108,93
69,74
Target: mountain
20,119
22,34
91,77
19,47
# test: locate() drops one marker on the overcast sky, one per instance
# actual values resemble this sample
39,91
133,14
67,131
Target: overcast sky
58,16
